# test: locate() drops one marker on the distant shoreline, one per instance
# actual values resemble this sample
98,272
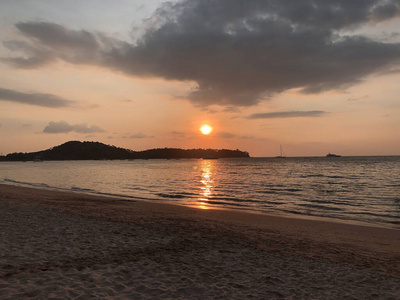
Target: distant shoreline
76,150
3,158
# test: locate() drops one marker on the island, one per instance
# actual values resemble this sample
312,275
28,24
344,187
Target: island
333,155
76,150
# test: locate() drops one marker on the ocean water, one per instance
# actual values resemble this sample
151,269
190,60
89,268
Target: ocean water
358,189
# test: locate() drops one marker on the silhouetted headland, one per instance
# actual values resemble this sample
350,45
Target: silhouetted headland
76,150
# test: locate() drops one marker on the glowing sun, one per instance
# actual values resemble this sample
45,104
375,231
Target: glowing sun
206,129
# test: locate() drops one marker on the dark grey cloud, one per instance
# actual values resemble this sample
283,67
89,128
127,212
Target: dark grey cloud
39,99
35,55
57,36
64,127
49,41
236,52
386,10
287,114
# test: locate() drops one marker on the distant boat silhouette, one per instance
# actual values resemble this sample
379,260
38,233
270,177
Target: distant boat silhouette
210,157
282,155
332,155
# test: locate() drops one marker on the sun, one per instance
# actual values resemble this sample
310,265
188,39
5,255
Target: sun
206,129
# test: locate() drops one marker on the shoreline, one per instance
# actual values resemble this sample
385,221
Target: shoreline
176,251
200,207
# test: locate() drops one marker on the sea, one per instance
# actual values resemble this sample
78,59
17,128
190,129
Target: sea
363,190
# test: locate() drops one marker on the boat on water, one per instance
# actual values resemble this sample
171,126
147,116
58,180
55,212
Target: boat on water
210,157
282,154
332,155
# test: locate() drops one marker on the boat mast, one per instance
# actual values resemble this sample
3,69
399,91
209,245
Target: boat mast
282,153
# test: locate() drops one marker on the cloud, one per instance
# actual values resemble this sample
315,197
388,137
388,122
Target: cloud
39,99
139,136
236,53
226,135
50,41
179,133
35,55
231,109
287,114
357,98
56,36
64,127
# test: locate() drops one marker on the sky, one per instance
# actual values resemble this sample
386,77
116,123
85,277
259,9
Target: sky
311,76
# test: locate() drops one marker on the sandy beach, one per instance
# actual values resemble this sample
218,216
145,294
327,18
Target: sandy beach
61,245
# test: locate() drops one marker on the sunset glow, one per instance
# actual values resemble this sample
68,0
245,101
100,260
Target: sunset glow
118,72
206,129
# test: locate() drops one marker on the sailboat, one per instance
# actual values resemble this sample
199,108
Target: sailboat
282,155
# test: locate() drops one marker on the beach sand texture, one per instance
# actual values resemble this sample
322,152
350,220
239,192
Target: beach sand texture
71,246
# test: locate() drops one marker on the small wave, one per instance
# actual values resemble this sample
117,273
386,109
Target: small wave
234,200
188,194
269,203
312,175
293,190
174,196
335,202
72,189
78,189
27,183
115,195
378,215
332,182
329,191
228,190
392,185
280,191
394,222
320,207
267,192
225,204
13,181
295,212
136,188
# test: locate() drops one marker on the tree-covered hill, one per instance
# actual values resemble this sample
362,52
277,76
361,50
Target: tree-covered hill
76,150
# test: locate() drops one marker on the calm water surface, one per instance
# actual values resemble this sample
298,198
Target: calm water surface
364,189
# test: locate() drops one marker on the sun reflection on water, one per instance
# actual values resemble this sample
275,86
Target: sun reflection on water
207,169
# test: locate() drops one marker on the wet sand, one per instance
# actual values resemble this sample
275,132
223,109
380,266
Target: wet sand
63,245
